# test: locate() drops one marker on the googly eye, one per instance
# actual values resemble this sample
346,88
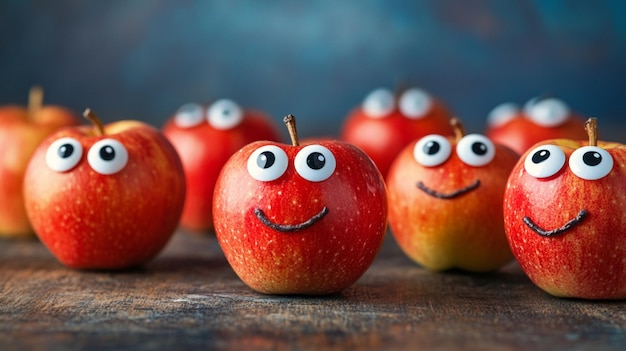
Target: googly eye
549,112
544,161
501,114
224,114
590,162
475,150
432,150
189,115
415,103
63,154
267,163
315,163
107,156
379,103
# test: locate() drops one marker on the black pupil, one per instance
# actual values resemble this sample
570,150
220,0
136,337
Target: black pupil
316,160
266,159
479,148
540,156
66,150
107,153
592,158
432,148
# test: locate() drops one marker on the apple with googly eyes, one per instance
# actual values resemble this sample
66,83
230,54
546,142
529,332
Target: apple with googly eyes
300,219
540,119
445,199
205,137
104,197
565,216
385,123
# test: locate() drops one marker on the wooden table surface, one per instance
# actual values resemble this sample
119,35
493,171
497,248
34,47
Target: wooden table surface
189,298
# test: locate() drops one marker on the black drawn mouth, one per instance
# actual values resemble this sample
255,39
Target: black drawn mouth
554,232
448,196
289,227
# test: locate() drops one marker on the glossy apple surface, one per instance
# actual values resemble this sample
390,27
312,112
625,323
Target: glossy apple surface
445,202
540,119
384,124
105,201
305,219
565,217
205,138
21,130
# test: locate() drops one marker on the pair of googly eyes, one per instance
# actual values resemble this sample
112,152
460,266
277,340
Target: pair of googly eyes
314,163
473,149
587,162
546,112
413,103
106,156
222,114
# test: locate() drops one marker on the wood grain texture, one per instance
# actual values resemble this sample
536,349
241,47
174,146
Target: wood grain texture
189,298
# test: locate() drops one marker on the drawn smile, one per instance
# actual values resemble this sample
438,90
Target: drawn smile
554,232
447,196
289,227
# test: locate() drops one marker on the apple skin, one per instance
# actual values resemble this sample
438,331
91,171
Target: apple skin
321,259
384,137
20,134
519,132
464,232
203,150
90,220
586,261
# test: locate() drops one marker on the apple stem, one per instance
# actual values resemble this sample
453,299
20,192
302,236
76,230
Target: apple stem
95,120
591,126
290,121
35,100
459,130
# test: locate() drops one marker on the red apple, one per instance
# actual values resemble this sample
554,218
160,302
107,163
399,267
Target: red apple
540,119
445,201
300,219
21,131
205,138
566,221
105,197
384,124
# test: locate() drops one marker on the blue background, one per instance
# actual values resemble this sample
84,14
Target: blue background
315,59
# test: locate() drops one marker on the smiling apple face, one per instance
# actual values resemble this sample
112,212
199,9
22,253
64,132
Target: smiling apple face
384,123
300,219
564,216
445,199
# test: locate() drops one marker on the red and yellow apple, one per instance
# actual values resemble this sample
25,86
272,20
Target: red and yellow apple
385,123
540,119
565,216
445,199
300,219
104,197
205,138
21,131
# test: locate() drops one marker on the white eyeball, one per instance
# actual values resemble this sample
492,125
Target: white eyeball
379,103
549,112
64,154
107,156
267,163
415,103
544,161
475,150
315,163
590,162
432,150
501,114
189,115
224,114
